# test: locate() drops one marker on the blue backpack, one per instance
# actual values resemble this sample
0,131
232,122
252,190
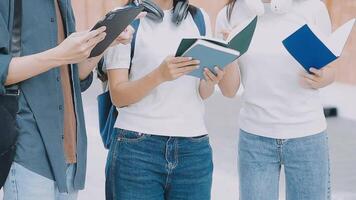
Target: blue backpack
107,111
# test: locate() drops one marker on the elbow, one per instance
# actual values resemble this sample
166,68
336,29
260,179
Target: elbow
118,101
229,94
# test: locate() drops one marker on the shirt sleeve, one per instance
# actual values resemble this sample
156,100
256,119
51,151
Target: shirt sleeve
118,57
5,57
222,24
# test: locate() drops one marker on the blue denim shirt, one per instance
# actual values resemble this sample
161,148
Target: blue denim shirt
40,117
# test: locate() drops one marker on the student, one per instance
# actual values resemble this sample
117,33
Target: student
161,149
50,160
281,119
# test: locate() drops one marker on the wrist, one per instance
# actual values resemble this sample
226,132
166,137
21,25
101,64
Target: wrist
157,77
55,57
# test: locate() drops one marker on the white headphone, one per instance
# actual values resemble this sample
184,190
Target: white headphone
277,6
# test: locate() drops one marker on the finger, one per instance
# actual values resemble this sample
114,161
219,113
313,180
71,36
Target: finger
206,77
177,60
141,15
187,63
220,73
93,34
210,74
93,42
310,77
316,72
312,84
186,69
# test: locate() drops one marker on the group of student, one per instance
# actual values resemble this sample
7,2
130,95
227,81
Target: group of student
160,149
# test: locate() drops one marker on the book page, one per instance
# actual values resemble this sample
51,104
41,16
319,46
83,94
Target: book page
336,42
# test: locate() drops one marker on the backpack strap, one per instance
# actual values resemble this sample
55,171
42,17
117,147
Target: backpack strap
135,25
198,18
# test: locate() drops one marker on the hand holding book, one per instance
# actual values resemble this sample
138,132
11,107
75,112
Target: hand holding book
312,48
212,52
318,78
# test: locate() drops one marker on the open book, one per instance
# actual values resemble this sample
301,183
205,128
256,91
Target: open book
311,48
214,52
116,22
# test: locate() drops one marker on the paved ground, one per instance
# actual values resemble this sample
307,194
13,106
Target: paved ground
221,119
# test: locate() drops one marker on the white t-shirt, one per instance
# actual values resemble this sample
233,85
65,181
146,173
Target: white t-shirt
174,108
275,105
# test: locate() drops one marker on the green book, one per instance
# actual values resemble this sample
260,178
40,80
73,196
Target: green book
240,39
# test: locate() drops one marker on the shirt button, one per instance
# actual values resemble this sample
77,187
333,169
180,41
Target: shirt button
60,107
62,137
58,78
52,19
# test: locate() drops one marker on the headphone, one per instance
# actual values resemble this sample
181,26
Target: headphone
155,13
277,6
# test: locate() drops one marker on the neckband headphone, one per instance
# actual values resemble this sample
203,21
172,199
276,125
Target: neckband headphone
277,6
155,13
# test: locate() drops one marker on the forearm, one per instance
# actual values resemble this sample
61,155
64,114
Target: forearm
23,68
130,92
230,83
206,89
87,66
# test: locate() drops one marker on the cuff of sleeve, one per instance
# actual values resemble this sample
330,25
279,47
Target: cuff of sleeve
85,84
4,69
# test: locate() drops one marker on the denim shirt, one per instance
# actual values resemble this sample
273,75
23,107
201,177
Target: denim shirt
40,117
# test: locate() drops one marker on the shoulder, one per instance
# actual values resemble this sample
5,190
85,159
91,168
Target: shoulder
311,7
201,11
222,15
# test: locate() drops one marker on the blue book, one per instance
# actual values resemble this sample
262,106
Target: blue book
312,49
213,52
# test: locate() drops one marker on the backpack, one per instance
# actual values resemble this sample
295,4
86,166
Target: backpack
107,111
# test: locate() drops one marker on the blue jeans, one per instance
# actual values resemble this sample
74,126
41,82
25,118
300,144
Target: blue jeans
305,160
148,167
23,184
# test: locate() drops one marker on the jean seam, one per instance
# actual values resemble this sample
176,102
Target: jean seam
175,154
112,171
14,182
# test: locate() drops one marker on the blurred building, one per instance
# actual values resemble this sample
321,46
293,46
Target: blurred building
341,95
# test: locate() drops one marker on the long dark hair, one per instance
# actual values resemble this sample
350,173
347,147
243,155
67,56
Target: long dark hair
230,8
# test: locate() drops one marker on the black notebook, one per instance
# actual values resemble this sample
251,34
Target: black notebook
116,22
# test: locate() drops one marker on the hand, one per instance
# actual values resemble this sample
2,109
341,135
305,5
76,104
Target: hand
225,33
126,36
212,79
175,67
319,78
78,46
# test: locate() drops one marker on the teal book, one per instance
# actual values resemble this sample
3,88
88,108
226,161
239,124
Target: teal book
213,52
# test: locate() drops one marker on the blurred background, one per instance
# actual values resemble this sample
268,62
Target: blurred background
222,114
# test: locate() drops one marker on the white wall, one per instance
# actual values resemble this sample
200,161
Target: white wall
342,96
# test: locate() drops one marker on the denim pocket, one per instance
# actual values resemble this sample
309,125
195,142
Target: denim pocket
199,138
130,136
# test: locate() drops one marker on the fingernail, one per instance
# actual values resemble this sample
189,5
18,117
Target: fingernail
197,67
